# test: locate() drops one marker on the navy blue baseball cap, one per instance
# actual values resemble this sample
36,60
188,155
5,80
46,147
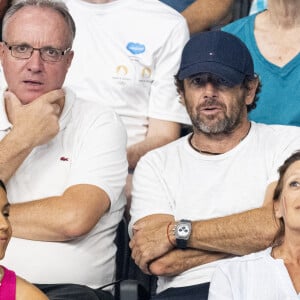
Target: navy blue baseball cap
219,53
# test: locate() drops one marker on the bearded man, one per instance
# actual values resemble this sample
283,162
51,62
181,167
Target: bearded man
208,195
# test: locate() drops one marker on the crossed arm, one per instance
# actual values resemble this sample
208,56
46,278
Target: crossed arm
210,240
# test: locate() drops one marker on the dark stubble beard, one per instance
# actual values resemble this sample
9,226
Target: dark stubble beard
221,124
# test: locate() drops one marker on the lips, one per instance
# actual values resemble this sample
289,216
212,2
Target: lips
32,82
211,108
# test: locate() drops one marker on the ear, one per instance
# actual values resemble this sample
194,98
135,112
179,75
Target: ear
70,58
181,98
250,93
278,209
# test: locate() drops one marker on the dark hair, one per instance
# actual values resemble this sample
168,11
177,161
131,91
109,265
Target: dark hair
57,6
2,185
278,190
245,84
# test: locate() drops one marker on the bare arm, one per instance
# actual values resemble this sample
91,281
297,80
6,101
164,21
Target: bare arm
159,133
60,218
204,14
236,234
33,124
27,291
146,248
178,261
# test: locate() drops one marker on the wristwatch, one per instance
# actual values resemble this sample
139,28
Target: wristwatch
183,231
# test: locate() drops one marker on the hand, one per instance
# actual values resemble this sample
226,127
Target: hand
35,123
177,261
150,239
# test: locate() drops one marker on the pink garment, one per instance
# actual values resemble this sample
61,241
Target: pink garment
8,285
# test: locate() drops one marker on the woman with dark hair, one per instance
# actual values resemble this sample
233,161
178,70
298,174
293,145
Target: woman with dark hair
12,287
272,273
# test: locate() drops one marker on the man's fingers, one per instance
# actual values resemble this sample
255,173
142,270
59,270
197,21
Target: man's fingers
53,96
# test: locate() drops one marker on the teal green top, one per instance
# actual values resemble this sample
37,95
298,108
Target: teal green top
279,100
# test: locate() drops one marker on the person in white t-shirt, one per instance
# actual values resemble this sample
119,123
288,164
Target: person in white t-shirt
127,53
272,273
63,159
207,196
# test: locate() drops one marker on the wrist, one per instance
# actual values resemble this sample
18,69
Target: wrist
130,170
171,234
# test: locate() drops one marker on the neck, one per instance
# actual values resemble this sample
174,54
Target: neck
288,251
214,144
284,13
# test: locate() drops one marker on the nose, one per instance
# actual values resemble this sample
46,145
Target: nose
210,90
35,63
4,223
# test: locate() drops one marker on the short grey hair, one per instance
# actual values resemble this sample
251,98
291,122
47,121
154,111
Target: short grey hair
56,5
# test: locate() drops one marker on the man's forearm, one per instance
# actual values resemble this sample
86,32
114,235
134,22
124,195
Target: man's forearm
178,261
160,132
204,14
136,151
236,234
59,218
219,238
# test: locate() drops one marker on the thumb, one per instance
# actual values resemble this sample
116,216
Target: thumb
11,99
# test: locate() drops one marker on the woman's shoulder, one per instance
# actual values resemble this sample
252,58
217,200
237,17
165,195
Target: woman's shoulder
253,258
27,291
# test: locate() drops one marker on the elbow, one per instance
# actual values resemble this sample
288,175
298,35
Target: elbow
159,268
75,226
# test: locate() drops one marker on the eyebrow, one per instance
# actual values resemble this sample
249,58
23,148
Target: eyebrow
29,45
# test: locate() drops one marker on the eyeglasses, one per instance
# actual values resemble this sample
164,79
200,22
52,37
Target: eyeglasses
24,51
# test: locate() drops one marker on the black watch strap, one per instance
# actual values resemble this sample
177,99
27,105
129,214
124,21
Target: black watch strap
181,244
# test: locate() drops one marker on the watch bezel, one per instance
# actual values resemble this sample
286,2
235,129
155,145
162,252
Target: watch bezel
181,240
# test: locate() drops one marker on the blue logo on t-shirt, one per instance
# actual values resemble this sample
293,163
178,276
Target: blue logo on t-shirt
135,48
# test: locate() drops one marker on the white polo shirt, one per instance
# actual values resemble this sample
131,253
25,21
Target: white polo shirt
90,148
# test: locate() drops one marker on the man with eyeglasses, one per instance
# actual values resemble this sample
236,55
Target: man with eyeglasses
63,160
201,199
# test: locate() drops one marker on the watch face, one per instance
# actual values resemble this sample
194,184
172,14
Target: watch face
183,230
